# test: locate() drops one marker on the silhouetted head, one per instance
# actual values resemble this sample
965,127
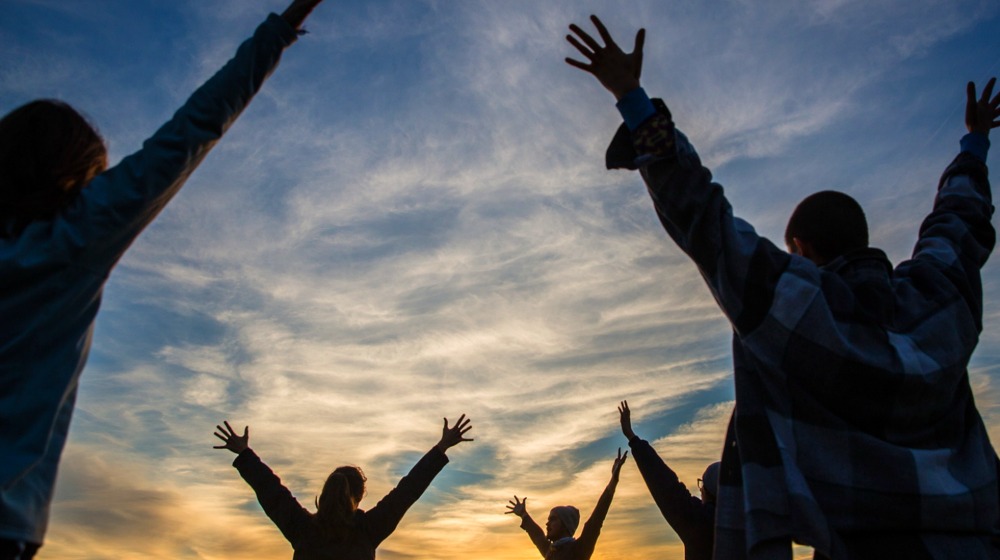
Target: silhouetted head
825,226
339,499
562,522
48,152
709,483
356,478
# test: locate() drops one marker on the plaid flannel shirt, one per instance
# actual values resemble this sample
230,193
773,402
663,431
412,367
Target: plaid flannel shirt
855,430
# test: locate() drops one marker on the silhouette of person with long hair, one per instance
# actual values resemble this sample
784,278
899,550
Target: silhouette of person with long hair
557,541
65,221
339,529
693,519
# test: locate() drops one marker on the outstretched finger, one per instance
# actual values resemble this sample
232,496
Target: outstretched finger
583,50
218,447
970,102
581,65
603,31
594,45
232,432
222,437
640,40
988,91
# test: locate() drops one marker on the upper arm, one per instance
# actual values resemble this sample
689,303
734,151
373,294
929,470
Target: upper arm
740,267
958,235
114,208
276,500
536,534
673,499
389,511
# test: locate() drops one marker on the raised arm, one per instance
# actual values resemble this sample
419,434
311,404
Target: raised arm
519,508
688,515
592,528
740,267
386,515
297,12
114,208
277,501
957,237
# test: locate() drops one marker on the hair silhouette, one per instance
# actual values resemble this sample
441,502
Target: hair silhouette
336,505
832,221
48,151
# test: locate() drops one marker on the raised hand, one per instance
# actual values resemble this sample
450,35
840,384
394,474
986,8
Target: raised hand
617,71
617,466
298,11
518,507
625,417
983,114
455,434
236,444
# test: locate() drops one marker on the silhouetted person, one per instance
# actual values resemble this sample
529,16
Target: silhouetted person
855,430
65,221
339,530
693,519
557,542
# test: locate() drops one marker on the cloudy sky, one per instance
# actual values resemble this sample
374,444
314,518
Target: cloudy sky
413,221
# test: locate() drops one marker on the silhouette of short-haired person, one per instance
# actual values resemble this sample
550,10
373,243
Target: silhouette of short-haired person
339,529
65,221
693,519
557,541
855,429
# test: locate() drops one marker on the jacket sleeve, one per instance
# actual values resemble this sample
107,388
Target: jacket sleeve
114,208
684,512
536,535
386,515
592,528
958,236
740,267
277,502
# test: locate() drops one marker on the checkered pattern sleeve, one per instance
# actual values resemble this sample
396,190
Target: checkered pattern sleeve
740,267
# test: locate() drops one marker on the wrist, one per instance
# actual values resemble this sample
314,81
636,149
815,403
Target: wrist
621,90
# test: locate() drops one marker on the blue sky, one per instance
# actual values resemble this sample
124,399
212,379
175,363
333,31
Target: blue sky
413,220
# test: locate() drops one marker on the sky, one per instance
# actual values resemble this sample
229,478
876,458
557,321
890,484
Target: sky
413,221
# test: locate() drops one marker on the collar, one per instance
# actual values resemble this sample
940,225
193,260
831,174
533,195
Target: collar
562,542
869,257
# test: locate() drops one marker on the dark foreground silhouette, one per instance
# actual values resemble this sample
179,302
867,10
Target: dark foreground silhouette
65,221
855,429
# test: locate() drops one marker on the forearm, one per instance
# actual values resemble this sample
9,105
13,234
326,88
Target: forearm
119,203
958,236
298,11
275,499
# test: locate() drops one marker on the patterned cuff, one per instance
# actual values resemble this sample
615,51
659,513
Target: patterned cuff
655,139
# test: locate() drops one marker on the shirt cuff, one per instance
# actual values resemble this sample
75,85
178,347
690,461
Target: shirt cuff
635,107
976,144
